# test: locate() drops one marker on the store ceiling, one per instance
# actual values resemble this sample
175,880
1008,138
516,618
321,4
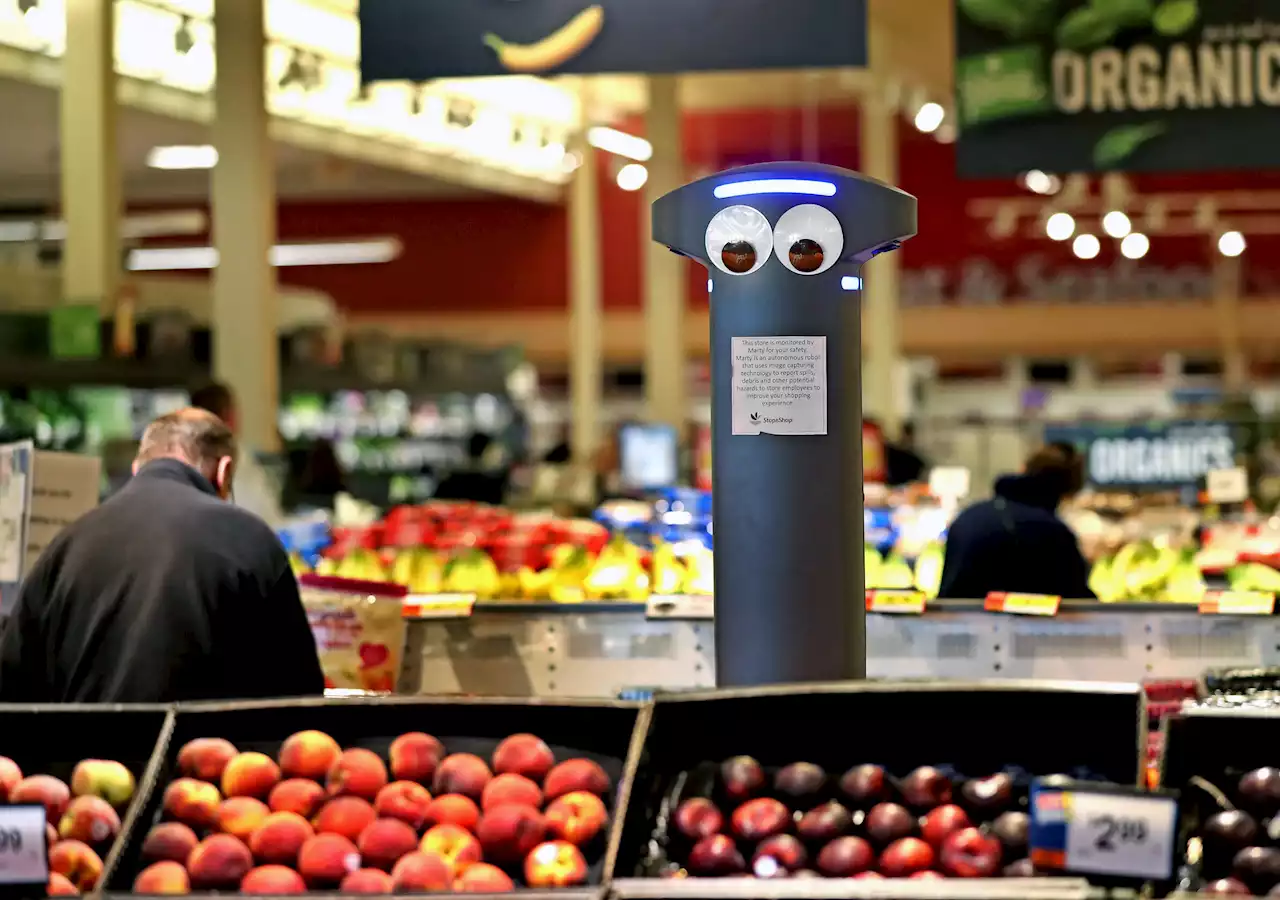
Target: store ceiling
29,161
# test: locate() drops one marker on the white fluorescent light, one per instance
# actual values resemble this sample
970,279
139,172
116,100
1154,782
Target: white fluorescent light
632,177
619,143
775,186
1231,243
1060,226
929,117
345,253
19,232
1086,246
1116,224
166,224
851,283
181,158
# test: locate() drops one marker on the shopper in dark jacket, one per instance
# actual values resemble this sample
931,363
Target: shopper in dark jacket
165,592
1015,542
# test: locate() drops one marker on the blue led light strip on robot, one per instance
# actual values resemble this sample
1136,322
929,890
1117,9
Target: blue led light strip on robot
775,186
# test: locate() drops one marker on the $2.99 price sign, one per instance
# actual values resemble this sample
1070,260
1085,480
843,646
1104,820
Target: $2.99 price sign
1095,829
23,856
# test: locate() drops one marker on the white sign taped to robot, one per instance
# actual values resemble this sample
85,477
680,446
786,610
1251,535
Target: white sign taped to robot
779,385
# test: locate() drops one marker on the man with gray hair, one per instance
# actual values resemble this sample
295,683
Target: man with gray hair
165,592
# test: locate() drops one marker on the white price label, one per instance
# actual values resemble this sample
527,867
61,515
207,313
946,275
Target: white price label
1227,485
23,856
680,606
1128,835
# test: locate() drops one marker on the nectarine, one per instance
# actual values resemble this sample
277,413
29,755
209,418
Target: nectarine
59,886
169,841
414,757
456,846
46,790
78,862
296,795
167,878
576,817
555,864
462,773
326,859
367,881
241,816
219,863
524,754
482,878
510,788
384,841
279,839
576,775
308,754
206,758
404,800
452,809
347,816
273,880
357,772
420,872
250,774
192,802
508,833
90,819
10,775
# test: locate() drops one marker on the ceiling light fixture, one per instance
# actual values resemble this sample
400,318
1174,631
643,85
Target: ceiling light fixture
181,157
1231,243
619,143
1116,224
632,177
1086,246
340,253
929,117
1060,226
1135,245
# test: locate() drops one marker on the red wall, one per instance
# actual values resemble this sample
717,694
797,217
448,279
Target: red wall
502,254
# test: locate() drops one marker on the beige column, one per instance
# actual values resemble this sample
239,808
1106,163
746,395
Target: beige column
882,340
91,192
586,317
245,354
1227,286
666,374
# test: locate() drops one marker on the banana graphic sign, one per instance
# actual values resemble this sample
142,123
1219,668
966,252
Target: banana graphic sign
425,39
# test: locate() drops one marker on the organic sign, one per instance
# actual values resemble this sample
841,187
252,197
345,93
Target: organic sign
1157,455
1096,85
452,38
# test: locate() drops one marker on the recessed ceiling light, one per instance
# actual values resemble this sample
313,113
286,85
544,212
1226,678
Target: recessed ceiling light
183,157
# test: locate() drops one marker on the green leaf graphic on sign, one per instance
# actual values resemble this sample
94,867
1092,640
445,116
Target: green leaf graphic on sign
1005,84
1175,17
1119,144
1016,19
1086,28
1126,13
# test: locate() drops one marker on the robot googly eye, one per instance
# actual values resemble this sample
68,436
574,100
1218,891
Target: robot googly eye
808,239
739,240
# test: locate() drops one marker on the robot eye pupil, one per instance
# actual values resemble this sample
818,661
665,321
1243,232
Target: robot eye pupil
806,255
738,256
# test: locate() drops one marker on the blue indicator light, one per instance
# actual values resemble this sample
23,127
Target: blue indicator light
776,186
851,283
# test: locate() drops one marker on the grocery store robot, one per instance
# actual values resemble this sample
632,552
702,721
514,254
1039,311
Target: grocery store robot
784,244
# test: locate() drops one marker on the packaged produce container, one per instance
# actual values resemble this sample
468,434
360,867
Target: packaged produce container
359,630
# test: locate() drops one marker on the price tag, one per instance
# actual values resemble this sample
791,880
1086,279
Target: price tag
23,856
1238,603
899,603
1092,829
949,482
1022,604
681,606
439,606
1227,485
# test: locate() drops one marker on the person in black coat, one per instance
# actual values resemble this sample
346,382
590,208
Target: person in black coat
165,592
1015,542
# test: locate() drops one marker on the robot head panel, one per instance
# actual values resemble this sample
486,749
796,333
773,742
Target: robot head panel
775,223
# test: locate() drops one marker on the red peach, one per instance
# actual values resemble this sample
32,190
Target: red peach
453,809
524,754
250,775
165,878
46,790
576,775
347,816
279,839
308,754
169,842
59,886
367,881
206,758
414,757
50,836
407,801
326,859
510,788
273,880
192,802
483,878
90,819
555,864
296,795
462,773
78,862
10,775
576,817
508,833
219,863
421,872
241,816
385,841
357,772
456,846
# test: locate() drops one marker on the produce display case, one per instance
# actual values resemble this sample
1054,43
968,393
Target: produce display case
53,739
600,649
606,733
1011,731
1223,762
